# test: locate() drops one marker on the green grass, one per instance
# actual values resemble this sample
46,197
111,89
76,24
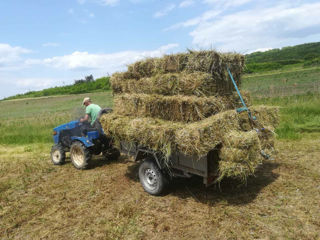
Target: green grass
281,84
296,92
299,115
32,120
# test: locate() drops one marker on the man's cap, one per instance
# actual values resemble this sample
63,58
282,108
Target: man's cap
86,99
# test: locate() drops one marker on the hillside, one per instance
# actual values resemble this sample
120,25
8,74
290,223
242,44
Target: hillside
80,86
304,55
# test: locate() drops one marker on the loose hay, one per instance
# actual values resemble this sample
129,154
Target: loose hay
174,108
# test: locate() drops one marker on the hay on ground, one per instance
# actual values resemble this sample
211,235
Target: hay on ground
174,108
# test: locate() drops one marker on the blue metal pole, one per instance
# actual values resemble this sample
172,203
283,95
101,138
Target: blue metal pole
236,87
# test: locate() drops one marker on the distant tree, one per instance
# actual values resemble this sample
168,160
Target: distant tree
89,78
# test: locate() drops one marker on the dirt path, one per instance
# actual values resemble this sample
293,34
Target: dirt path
42,201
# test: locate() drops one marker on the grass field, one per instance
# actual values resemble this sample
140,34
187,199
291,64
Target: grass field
42,201
281,84
32,120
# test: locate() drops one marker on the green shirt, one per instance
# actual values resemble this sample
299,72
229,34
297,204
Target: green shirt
93,110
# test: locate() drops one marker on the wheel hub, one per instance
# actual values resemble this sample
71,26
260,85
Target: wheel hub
151,178
56,155
77,156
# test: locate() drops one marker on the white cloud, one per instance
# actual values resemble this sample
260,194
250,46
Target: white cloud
50,44
35,83
108,2
256,28
186,3
11,57
84,61
164,11
226,3
195,21
259,50
81,1
91,15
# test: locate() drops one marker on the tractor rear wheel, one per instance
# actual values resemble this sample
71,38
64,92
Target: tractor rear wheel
58,155
80,155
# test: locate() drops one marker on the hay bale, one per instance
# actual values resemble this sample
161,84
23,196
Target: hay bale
173,108
156,134
199,138
266,115
239,154
198,84
210,62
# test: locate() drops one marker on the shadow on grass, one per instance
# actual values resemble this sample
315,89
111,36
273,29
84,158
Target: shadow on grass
99,161
229,190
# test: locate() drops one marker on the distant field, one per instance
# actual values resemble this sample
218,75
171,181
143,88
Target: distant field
26,121
280,84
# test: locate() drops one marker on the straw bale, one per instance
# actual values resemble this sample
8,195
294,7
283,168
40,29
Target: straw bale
266,115
240,139
210,62
199,138
154,133
198,84
239,153
173,108
238,163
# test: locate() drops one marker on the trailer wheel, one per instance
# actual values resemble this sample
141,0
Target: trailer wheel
58,155
151,178
80,155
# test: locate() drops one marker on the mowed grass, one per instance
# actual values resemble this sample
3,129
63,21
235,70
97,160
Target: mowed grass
41,201
32,120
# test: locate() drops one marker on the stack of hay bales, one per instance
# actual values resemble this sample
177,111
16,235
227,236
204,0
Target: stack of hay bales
186,102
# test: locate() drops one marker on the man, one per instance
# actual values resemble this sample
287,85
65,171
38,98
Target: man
92,111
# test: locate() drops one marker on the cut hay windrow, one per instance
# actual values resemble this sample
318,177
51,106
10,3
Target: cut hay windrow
210,62
174,108
198,84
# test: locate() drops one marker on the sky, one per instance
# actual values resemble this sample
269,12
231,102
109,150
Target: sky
47,43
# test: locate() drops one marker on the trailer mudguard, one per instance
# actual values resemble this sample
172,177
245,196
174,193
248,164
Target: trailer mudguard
143,153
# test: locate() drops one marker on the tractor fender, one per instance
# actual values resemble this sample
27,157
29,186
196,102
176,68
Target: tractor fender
142,154
84,140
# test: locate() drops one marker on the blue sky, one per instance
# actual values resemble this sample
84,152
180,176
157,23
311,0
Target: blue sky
47,43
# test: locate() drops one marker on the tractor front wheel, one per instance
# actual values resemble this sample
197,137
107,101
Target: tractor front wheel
58,155
80,155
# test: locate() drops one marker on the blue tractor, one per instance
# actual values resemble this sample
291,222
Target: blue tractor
82,141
